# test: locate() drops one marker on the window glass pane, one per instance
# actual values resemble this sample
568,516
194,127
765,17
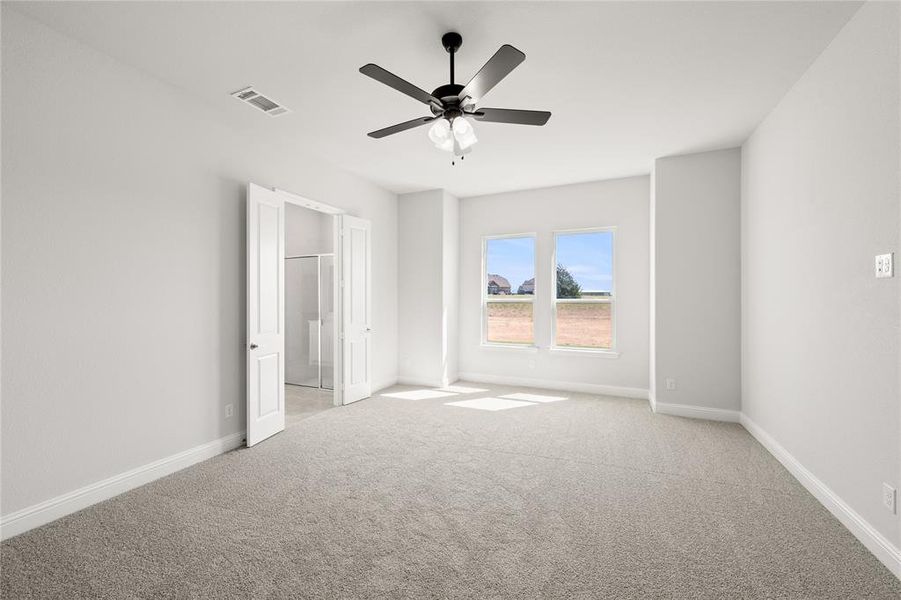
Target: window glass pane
584,324
585,264
510,323
510,265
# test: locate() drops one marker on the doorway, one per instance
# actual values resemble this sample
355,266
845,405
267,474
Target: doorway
309,312
281,225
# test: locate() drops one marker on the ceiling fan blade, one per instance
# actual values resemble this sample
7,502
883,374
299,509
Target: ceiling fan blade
401,85
509,115
498,66
401,127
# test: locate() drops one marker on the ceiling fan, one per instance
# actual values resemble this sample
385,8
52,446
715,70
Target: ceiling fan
452,105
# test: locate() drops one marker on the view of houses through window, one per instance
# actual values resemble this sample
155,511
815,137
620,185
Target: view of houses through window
508,308
583,296
583,302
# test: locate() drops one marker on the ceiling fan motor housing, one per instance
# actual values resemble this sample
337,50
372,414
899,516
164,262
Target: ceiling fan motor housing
448,94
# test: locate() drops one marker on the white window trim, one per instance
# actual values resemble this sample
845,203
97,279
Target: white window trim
486,298
610,352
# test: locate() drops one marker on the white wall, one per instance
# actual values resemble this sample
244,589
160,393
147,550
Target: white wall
428,230
450,242
308,231
420,284
696,280
123,264
820,335
622,203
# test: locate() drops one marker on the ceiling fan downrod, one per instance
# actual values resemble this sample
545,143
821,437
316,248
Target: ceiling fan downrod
451,42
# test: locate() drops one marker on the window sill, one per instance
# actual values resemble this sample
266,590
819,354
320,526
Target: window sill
587,351
514,347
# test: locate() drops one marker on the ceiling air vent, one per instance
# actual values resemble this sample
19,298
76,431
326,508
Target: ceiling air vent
264,103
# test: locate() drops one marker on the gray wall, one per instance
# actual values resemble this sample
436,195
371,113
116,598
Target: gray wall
696,279
821,335
123,282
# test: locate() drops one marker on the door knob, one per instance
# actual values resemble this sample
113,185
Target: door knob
253,346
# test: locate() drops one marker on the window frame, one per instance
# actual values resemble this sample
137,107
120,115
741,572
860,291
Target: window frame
611,300
486,298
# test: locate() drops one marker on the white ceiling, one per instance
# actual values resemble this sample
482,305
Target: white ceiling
626,82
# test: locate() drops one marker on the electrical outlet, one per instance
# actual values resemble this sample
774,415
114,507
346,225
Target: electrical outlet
889,497
229,411
670,383
884,266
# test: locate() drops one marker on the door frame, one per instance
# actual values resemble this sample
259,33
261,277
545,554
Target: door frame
334,211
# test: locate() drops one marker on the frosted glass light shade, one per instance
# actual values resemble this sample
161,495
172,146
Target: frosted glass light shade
465,134
440,134
456,137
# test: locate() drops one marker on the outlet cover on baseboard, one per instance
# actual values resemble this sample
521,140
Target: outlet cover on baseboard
889,497
670,383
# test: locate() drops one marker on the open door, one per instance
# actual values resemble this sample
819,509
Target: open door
265,314
356,299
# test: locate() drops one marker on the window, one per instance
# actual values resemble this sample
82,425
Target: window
508,290
583,302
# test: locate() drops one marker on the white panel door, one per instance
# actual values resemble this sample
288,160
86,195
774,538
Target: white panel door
356,301
265,314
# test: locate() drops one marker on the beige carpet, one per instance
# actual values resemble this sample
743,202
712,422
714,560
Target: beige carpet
302,402
588,497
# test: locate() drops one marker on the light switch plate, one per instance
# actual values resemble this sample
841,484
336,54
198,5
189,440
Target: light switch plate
885,266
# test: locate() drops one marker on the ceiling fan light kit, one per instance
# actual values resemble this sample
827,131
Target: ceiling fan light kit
453,105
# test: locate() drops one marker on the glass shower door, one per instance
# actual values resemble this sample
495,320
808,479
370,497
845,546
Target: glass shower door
302,326
327,314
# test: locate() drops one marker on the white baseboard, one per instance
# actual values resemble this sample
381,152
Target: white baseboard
551,384
44,512
695,412
381,385
875,542
423,381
